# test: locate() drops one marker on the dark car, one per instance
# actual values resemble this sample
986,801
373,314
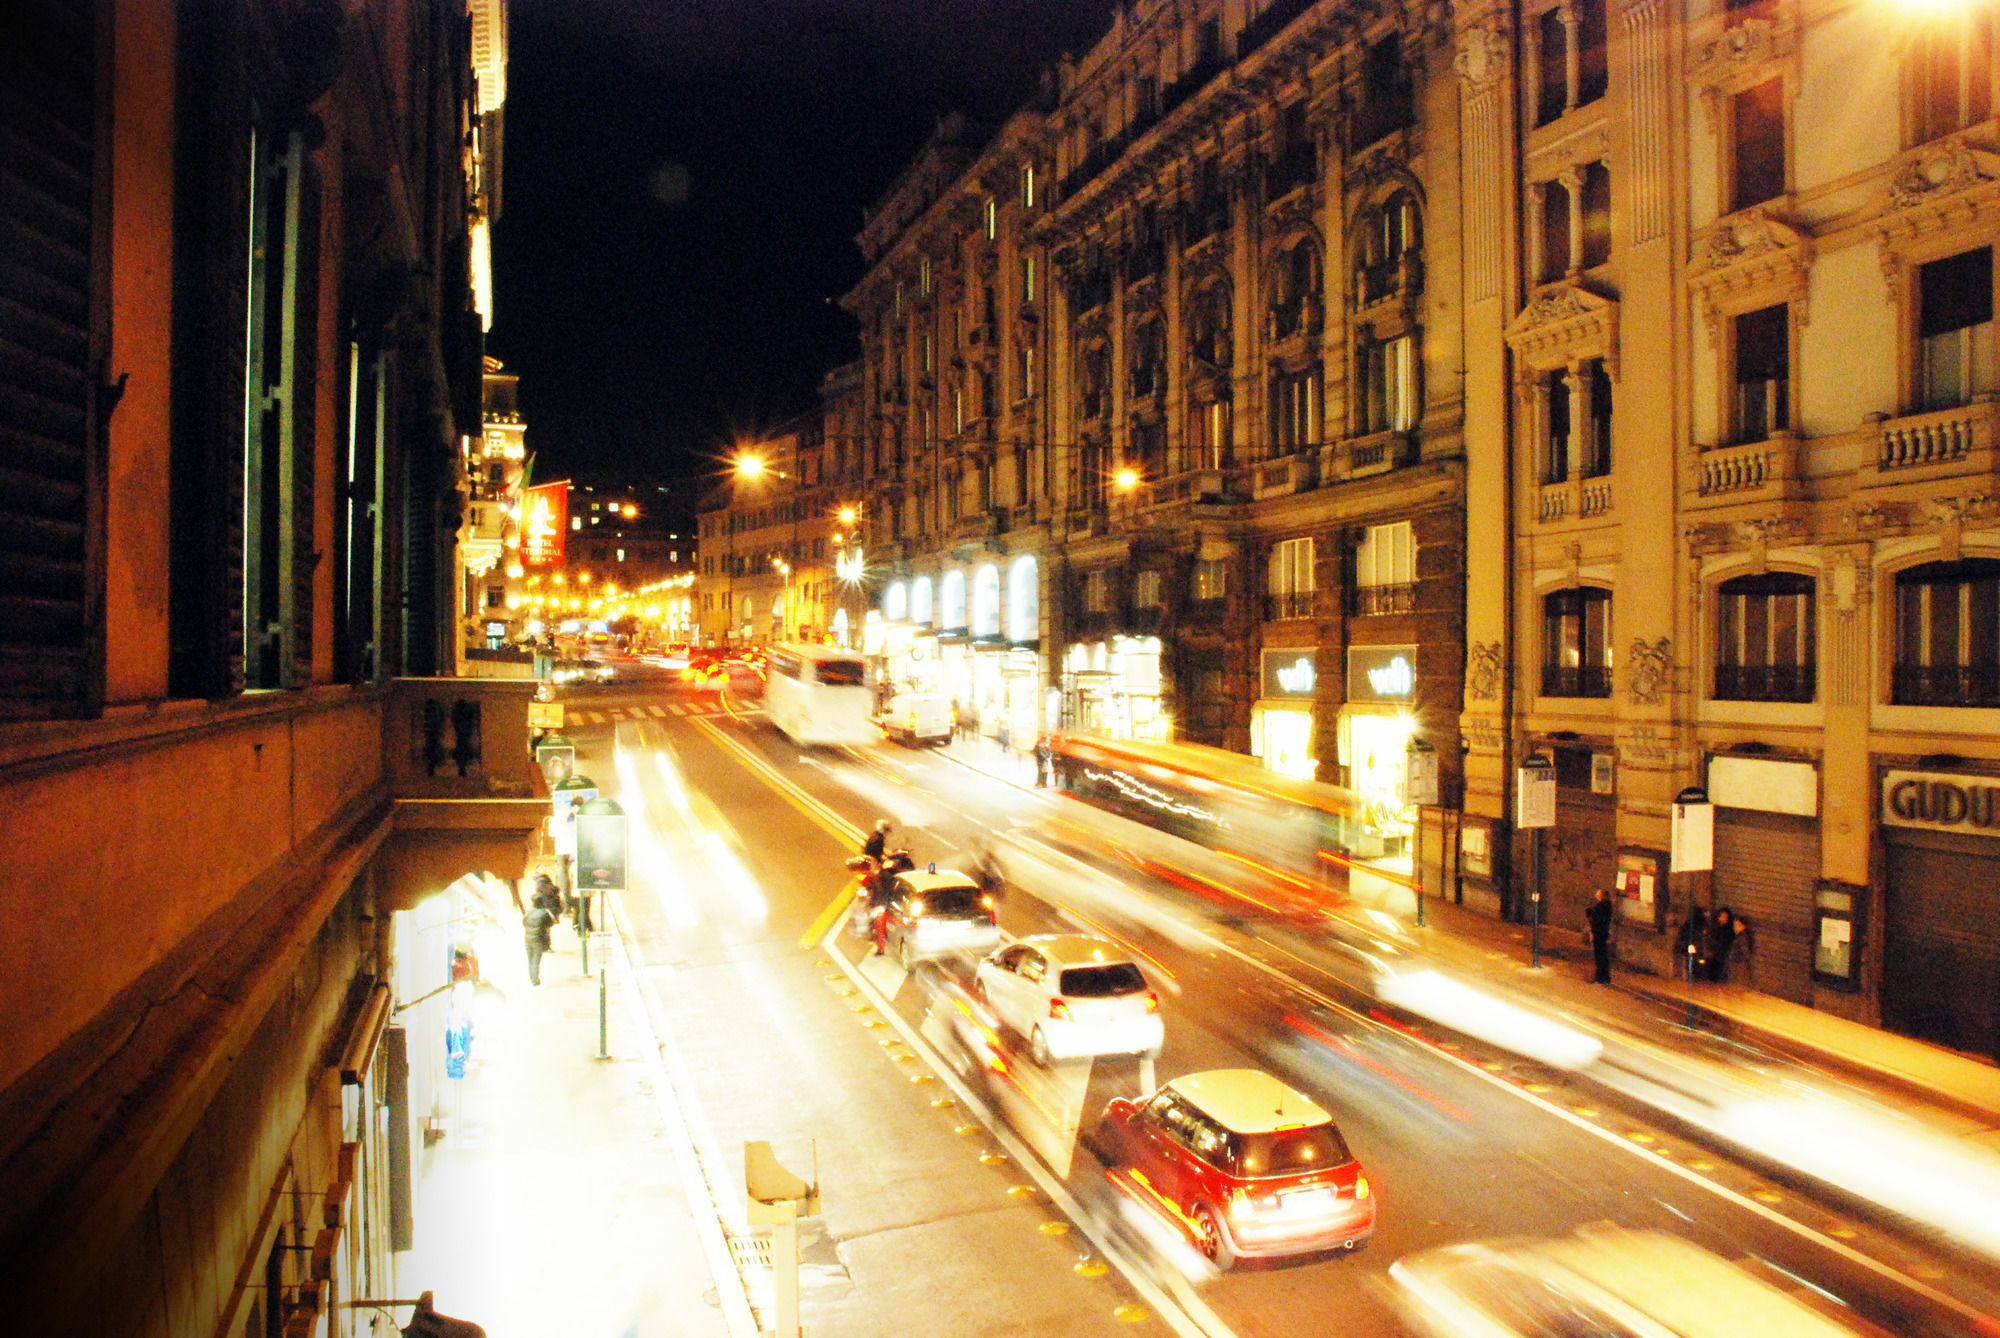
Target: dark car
938,914
1242,1165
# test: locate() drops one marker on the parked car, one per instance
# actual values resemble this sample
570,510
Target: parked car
938,913
917,718
1607,1280
1242,1165
1071,996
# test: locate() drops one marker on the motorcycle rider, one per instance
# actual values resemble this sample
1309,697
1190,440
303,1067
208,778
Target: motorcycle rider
877,842
881,891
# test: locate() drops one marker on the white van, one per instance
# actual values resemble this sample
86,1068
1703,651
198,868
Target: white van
917,718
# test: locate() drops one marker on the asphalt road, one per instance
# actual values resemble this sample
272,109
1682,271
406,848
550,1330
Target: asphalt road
743,850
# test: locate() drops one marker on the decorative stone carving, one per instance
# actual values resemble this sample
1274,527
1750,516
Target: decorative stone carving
1482,57
1935,170
1650,665
1747,42
1482,671
1643,744
1564,324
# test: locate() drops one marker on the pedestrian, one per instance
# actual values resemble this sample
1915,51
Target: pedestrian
547,897
1005,736
1692,946
1722,935
1043,757
1599,916
535,931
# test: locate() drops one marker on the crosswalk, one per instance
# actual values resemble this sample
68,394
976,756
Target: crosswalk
620,714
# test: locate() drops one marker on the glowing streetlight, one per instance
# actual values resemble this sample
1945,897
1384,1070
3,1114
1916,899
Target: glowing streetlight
1127,479
847,516
749,466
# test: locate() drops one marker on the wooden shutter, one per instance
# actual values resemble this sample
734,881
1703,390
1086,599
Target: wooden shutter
52,273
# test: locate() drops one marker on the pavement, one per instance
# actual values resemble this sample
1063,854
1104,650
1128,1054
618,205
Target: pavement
542,1131
1964,1086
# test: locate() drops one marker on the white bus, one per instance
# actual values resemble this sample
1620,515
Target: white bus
820,694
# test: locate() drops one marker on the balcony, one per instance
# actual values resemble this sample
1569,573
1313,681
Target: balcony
1946,685
1376,453
1764,682
1198,486
1288,605
976,527
1758,471
1283,477
1369,601
1574,680
1946,443
1573,500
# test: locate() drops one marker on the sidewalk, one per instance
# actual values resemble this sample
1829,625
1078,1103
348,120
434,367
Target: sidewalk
542,1132
1961,1084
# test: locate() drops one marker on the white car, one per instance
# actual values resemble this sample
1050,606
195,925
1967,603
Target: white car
1072,996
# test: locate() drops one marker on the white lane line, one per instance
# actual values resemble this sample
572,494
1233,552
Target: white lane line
589,718
674,1091
657,712
678,708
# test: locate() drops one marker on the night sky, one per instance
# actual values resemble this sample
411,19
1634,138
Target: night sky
682,184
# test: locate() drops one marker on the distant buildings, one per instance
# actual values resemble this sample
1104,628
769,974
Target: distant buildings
1359,384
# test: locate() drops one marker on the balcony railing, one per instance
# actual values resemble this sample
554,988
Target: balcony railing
1947,685
1280,605
1764,682
1373,600
1584,680
1376,453
1944,442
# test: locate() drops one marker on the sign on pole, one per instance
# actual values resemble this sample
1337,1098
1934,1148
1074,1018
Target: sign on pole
556,756
566,797
544,524
1693,842
600,847
1535,793
1420,774
545,715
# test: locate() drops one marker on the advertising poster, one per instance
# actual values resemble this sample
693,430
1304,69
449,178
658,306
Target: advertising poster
544,522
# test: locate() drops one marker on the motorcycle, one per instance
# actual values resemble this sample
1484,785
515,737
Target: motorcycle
870,917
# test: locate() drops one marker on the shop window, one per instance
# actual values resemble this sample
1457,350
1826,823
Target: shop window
1576,643
1948,634
1757,144
1955,329
1146,590
1211,580
1295,409
1385,569
1764,644
1951,71
1290,581
1763,352
1097,592
1388,373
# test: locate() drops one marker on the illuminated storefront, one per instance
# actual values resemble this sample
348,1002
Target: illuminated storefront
1113,688
1376,725
1281,722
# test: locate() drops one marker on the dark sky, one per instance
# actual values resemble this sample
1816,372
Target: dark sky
683,180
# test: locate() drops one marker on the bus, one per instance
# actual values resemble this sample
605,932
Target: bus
820,694
1296,832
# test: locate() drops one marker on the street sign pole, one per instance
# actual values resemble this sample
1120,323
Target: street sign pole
1535,809
1691,850
1420,786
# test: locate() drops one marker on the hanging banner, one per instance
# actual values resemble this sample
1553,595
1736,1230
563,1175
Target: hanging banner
544,523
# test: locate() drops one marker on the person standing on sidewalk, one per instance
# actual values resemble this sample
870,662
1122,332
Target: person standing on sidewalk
535,932
547,897
1722,934
1599,916
1044,756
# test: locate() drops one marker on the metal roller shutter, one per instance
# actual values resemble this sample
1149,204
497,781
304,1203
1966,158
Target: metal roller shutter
1941,944
1766,865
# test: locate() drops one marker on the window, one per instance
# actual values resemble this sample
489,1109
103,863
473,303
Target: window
1385,569
1295,291
1028,186
1764,639
1576,444
1149,359
1149,448
1027,278
1554,232
1597,449
991,214
1024,369
1391,238
1757,128
1210,695
1096,378
1295,407
1951,72
1570,69
1096,592
1290,586
1388,370
1948,634
1596,204
1211,579
1146,590
1576,643
1763,373
1955,329
1387,98
1209,336
924,276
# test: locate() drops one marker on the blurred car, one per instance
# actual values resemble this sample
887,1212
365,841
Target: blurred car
1610,1281
1242,1165
1071,996
582,671
938,913
917,718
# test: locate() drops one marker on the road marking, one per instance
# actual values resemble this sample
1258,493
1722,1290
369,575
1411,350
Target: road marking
679,708
588,718
657,712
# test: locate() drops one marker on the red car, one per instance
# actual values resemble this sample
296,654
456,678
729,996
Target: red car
1242,1165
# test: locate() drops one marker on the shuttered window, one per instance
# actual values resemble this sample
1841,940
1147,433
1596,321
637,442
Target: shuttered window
51,327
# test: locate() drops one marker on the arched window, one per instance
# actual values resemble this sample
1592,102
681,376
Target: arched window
1388,250
1024,599
986,601
1576,643
1948,634
1149,358
1765,648
1210,339
920,600
1295,290
1094,381
954,601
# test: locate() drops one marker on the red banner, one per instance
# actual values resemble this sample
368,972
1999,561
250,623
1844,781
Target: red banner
544,522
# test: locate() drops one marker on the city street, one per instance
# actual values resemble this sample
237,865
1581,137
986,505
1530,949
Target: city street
785,1029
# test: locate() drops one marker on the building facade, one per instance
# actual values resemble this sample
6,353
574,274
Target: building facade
769,535
244,356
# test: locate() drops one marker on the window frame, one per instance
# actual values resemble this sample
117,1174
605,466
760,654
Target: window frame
1589,672
1727,626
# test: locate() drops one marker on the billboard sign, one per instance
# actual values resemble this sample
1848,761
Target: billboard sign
544,522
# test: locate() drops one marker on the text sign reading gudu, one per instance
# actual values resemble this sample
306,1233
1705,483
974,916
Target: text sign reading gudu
1941,802
1381,673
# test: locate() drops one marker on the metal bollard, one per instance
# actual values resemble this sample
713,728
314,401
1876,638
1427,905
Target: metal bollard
602,1053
